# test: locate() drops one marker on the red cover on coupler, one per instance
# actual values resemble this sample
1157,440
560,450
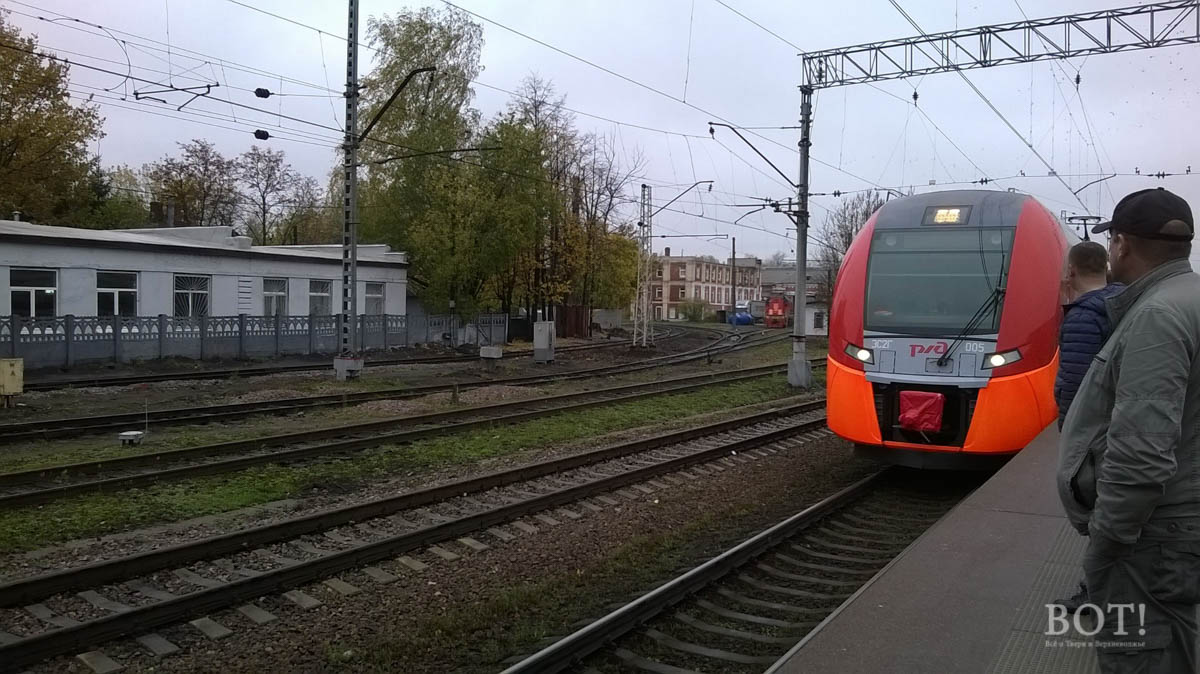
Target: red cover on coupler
921,411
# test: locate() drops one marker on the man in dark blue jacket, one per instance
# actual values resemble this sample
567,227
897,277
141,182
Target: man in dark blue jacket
1085,323
1085,327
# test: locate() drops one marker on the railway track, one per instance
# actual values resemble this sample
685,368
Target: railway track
257,371
41,485
136,594
48,429
743,609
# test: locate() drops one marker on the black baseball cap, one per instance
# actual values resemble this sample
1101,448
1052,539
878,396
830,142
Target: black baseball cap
1144,213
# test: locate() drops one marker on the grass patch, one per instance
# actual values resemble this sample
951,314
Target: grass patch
93,515
46,453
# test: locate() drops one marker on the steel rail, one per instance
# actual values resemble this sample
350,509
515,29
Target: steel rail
587,640
37,648
71,427
32,589
339,446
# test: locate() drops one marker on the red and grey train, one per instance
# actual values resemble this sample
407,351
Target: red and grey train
943,344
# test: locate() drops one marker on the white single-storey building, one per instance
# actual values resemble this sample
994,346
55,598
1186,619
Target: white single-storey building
183,272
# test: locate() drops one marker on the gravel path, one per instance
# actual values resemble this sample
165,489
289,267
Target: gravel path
346,632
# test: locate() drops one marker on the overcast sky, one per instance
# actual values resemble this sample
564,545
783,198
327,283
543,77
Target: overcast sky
1139,104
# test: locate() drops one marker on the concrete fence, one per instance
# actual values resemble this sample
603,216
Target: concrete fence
63,341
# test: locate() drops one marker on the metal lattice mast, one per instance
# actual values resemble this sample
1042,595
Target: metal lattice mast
347,327
645,277
1160,24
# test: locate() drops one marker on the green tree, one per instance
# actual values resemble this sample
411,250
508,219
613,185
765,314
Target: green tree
44,165
432,113
120,202
269,183
200,182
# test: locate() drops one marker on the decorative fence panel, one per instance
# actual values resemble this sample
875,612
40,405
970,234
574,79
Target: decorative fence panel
63,341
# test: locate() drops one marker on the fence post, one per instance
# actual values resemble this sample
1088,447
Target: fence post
69,322
278,327
312,333
14,329
116,328
241,336
387,319
203,335
162,335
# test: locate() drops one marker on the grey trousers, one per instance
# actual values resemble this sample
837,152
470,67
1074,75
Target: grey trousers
1164,578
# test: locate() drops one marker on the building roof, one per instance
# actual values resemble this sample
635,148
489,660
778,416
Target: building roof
190,240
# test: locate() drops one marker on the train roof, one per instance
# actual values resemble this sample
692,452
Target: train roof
984,208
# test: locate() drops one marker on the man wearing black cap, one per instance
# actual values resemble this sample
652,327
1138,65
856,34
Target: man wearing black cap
1129,463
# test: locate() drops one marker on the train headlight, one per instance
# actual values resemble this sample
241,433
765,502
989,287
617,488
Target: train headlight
1000,359
859,353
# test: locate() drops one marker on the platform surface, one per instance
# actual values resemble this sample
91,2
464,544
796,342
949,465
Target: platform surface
970,595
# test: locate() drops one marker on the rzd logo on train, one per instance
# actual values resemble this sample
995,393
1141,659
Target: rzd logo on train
938,348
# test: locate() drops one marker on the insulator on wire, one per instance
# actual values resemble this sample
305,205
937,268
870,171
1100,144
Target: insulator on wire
262,93
261,135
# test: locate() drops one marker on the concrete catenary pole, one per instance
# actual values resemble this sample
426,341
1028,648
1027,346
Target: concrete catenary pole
799,373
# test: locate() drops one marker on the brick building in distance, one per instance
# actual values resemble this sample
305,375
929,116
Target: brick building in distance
681,278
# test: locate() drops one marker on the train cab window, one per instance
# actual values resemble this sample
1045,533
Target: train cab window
935,282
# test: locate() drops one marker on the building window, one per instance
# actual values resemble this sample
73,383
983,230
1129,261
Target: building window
191,295
34,292
374,299
116,293
275,297
818,320
682,294
658,292
320,298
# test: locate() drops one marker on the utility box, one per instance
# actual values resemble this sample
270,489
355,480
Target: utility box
12,379
543,342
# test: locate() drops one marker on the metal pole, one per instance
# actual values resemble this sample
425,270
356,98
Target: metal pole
347,364
733,282
799,373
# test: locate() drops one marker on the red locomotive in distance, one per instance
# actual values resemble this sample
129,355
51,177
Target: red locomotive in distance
778,313
943,345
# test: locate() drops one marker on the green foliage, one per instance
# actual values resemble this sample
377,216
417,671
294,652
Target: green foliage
45,172
694,310
96,514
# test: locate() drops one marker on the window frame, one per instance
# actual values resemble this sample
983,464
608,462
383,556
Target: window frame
116,292
281,307
32,291
191,294
327,295
368,296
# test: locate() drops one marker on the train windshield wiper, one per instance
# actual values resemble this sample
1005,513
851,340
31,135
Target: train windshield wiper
984,310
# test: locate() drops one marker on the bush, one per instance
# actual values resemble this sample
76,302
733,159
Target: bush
694,310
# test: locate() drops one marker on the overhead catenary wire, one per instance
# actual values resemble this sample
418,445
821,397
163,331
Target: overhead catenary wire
270,113
988,101
5,45
176,49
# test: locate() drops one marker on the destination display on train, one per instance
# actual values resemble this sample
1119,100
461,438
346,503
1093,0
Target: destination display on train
947,215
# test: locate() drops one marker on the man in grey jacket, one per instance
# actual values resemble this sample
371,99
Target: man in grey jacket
1129,463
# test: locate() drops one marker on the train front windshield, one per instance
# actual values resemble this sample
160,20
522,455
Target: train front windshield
933,281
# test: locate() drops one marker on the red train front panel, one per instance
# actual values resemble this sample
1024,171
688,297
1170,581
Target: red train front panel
778,313
943,339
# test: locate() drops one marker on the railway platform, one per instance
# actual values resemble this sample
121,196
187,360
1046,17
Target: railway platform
970,594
